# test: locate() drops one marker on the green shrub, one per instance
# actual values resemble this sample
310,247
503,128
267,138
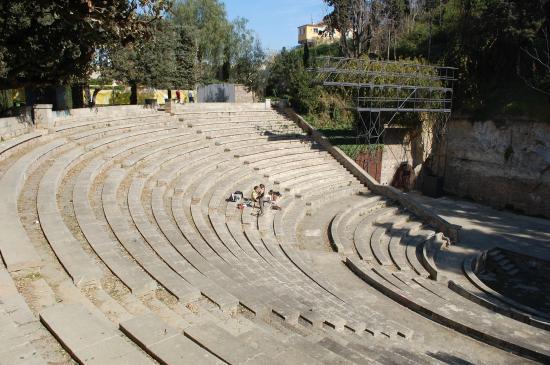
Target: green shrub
120,98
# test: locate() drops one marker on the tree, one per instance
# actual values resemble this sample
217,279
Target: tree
352,17
3,65
163,61
537,55
394,12
306,55
186,58
52,42
489,41
208,24
226,51
246,57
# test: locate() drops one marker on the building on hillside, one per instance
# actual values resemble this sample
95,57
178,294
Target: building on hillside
316,33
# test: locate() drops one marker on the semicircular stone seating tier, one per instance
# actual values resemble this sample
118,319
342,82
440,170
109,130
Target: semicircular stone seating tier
119,245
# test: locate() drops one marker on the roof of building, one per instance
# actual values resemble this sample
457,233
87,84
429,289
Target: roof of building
313,24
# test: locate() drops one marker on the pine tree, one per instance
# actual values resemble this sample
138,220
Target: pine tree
186,58
306,55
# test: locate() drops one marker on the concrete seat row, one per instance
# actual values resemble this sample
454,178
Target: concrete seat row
221,131
61,168
377,325
16,248
204,232
200,223
384,231
256,241
89,339
149,196
212,108
17,324
258,245
65,247
12,144
171,256
231,119
442,305
99,237
219,109
122,128
343,223
134,243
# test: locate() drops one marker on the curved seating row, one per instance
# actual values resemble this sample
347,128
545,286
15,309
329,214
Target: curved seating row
16,325
487,297
435,301
46,199
395,254
15,246
158,266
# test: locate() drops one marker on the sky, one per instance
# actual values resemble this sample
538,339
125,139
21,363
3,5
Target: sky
276,22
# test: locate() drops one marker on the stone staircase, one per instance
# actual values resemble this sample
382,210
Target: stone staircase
119,246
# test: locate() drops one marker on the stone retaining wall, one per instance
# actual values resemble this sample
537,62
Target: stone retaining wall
15,126
100,112
502,163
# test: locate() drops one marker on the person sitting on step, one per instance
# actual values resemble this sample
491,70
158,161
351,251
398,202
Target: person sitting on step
258,197
274,197
266,197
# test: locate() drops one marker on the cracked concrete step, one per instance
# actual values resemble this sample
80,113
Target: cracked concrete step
164,343
89,339
17,326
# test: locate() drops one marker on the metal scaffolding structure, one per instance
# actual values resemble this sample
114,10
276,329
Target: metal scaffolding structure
384,90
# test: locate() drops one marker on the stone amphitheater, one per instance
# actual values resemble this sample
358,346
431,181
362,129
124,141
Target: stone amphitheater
120,246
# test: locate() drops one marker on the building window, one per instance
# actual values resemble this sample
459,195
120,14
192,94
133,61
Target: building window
315,30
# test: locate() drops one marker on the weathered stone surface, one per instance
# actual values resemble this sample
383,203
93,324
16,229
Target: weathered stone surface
504,163
234,286
88,338
165,343
43,117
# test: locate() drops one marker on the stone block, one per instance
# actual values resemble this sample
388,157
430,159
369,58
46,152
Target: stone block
43,117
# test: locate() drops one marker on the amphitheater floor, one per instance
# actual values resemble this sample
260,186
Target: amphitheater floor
484,227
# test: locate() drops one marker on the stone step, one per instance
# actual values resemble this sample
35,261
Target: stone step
171,256
78,263
89,339
17,325
75,122
8,147
17,251
525,342
135,245
164,343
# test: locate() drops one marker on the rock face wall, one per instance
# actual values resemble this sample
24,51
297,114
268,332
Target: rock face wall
503,163
403,146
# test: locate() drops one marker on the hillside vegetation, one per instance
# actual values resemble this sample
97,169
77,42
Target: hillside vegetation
500,47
